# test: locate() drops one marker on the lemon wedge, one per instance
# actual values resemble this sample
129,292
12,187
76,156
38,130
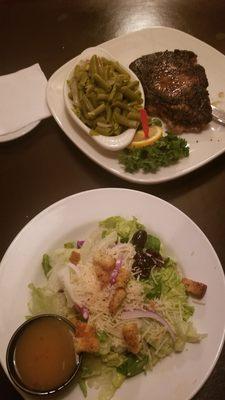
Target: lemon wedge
139,140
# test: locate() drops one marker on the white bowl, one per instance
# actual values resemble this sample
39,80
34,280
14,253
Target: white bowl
113,143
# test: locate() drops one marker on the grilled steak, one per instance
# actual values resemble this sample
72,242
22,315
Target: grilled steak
175,89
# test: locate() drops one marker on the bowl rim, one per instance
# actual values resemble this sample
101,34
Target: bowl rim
10,354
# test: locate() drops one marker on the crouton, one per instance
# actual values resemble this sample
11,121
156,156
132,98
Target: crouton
85,338
104,261
103,276
122,277
116,300
74,257
131,337
196,289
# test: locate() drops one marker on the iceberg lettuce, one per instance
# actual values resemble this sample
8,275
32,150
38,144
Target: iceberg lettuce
125,228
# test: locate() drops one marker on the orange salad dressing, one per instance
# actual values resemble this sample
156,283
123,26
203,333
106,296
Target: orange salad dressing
45,356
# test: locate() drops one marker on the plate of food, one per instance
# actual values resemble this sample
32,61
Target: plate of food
170,156
138,286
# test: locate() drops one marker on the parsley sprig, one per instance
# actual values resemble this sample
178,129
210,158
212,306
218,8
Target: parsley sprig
166,151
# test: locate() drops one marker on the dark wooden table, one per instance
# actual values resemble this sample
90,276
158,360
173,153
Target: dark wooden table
44,166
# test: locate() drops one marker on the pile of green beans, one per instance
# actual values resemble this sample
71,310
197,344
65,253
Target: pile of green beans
105,97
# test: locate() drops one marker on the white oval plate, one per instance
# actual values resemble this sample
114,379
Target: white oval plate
204,147
113,143
177,377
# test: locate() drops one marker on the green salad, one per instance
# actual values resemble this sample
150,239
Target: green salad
126,298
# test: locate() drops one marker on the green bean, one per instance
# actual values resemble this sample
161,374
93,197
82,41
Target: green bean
83,78
118,97
101,82
100,67
92,97
129,94
78,71
93,133
99,90
140,101
93,66
102,96
83,105
120,69
103,131
116,111
87,103
125,121
105,61
74,91
121,105
133,85
117,129
113,92
135,115
104,125
90,88
101,119
108,113
107,72
93,114
121,80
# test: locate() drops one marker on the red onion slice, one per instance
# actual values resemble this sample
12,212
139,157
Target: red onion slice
116,271
82,310
85,312
80,243
148,314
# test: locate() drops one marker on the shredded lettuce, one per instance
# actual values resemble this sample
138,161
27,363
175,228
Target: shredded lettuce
125,228
69,245
153,243
44,301
101,376
133,365
46,264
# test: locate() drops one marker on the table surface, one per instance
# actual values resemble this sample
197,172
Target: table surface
44,166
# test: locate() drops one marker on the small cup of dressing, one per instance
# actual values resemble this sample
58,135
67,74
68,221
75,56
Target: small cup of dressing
41,357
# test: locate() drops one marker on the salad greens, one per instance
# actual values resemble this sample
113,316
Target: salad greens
133,365
46,264
123,227
153,243
164,152
164,321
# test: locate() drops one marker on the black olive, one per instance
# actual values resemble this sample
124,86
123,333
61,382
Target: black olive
156,257
139,239
140,272
142,265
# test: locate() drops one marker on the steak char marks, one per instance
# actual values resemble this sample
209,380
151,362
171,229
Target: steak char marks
175,89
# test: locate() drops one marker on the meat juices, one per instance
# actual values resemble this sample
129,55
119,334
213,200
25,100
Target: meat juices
175,89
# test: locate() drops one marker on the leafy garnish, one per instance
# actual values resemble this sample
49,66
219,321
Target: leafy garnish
156,121
133,365
153,243
102,336
83,387
69,245
166,151
125,228
46,264
155,292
